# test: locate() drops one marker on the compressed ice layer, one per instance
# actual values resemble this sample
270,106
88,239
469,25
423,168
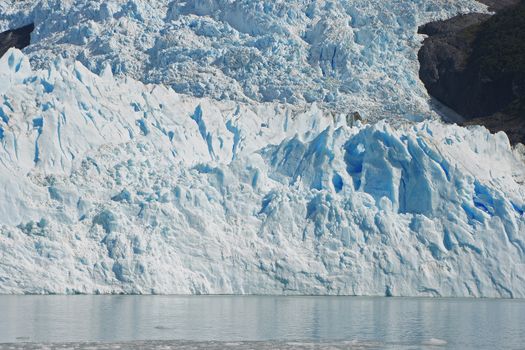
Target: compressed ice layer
108,185
359,55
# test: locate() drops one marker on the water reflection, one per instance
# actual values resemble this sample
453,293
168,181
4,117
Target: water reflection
463,323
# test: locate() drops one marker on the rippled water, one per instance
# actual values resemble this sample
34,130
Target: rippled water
339,322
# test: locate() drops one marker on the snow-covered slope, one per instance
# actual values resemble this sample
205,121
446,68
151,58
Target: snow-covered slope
111,181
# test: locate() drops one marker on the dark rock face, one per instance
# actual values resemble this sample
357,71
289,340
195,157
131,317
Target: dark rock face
19,38
475,65
498,5
444,60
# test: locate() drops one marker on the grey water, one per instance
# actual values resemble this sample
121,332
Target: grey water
396,323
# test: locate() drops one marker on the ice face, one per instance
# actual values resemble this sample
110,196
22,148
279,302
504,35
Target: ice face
212,152
359,55
111,185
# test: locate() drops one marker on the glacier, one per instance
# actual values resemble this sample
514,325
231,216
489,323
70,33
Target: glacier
132,161
336,53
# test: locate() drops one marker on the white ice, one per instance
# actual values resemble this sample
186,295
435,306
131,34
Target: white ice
113,182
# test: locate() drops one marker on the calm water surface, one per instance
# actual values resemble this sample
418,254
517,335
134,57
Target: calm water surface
393,322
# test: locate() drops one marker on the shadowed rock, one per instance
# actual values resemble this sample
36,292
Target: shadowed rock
19,38
475,64
497,5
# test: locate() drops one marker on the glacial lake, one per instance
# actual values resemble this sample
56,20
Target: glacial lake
217,321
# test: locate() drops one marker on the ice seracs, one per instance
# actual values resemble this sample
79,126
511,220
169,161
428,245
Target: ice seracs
206,147
361,54
110,185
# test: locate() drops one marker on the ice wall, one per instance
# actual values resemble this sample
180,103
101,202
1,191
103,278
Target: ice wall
110,185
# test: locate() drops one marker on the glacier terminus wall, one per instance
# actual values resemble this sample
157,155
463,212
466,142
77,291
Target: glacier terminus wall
203,147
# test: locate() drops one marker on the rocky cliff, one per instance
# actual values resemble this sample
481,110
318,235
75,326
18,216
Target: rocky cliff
475,64
18,38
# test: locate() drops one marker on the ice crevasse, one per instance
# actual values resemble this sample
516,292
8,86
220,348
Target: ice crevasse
110,185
